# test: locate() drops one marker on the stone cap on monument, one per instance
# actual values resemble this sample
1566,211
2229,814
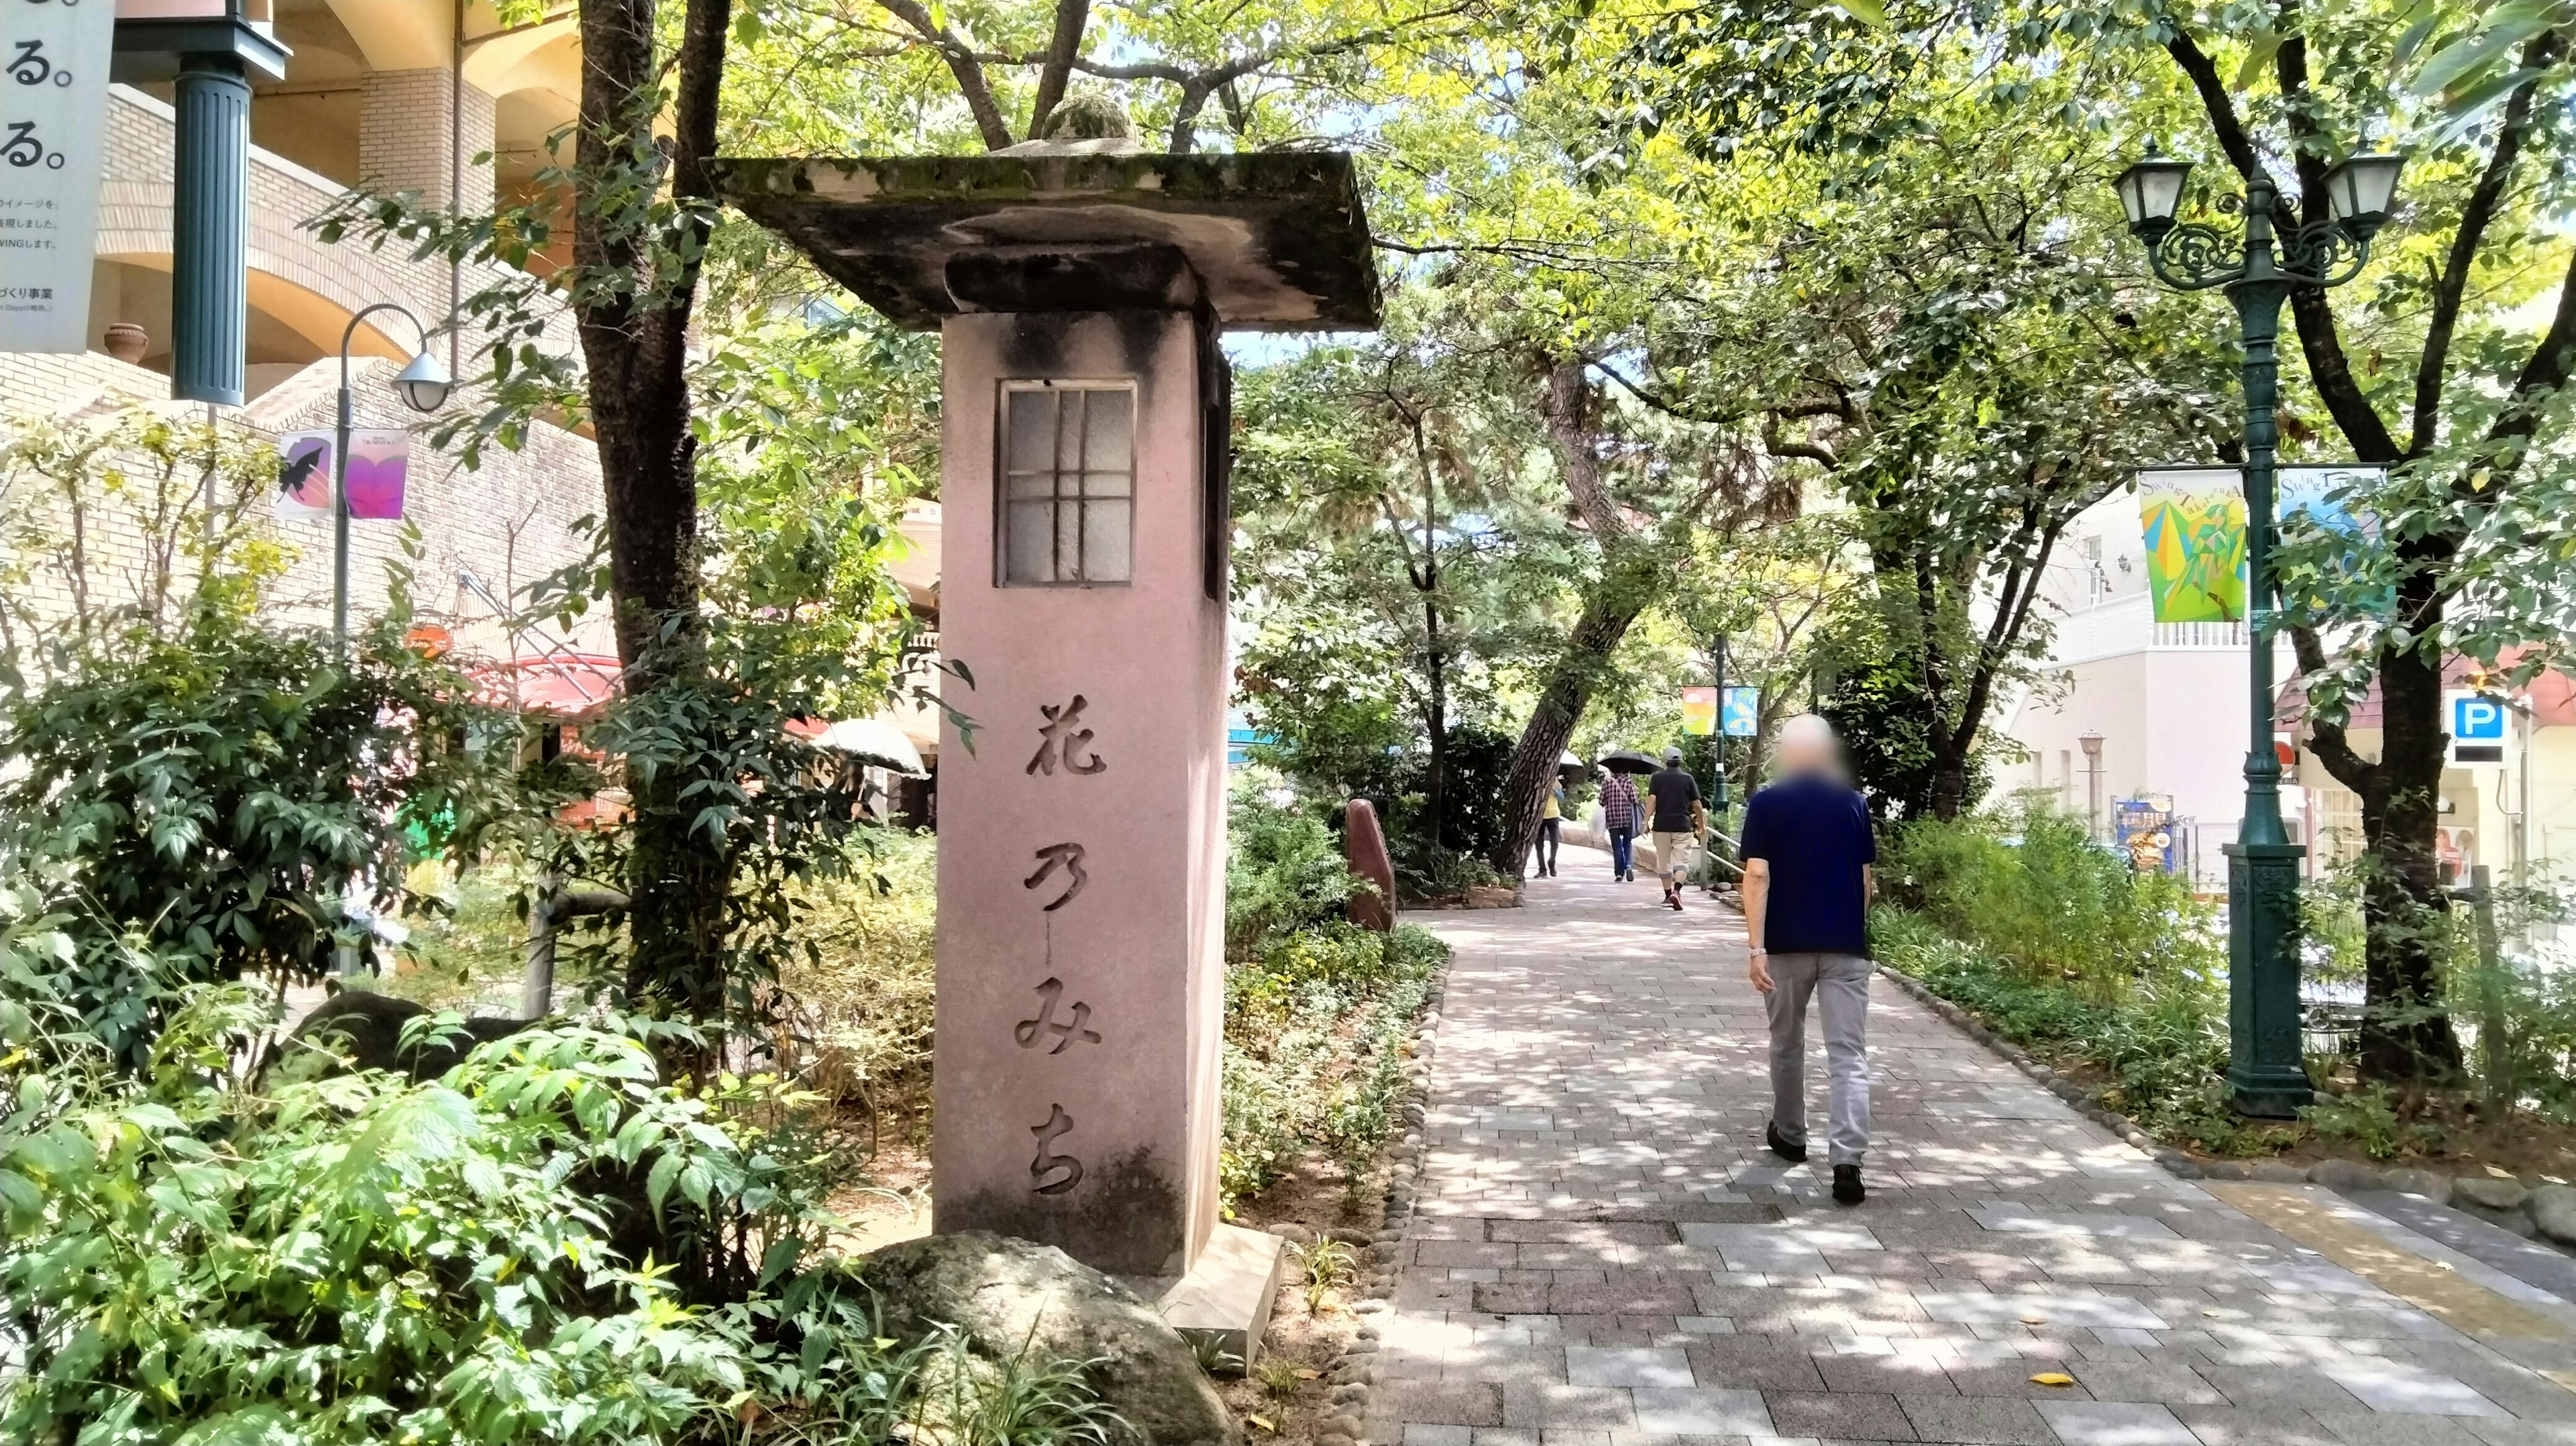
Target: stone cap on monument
1267,240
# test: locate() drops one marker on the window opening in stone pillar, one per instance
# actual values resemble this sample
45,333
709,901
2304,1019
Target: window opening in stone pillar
1068,484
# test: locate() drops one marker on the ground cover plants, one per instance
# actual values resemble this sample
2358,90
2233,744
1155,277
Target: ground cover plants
1318,1010
2118,979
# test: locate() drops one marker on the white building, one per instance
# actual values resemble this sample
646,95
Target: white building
2166,700
2168,704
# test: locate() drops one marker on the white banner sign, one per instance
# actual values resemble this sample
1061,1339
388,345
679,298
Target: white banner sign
53,132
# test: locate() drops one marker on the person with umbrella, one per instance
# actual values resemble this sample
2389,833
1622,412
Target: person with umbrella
1551,823
1619,817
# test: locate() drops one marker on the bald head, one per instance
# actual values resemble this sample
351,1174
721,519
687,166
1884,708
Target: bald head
1807,745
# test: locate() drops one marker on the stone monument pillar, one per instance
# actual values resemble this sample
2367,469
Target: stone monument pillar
1079,289
1082,841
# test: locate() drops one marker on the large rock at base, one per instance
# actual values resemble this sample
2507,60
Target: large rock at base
2553,1209
1364,847
1006,1294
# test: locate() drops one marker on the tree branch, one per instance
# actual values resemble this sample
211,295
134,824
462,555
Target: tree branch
2330,743
1568,412
2329,371
1071,18
2214,99
2475,217
963,63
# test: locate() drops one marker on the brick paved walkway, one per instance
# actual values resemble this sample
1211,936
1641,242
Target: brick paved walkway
1602,1254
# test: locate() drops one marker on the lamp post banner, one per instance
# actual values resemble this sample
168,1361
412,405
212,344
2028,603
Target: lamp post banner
1699,711
304,475
53,133
2193,523
379,465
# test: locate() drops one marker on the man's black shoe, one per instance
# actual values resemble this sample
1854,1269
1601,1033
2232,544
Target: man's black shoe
1794,1154
1847,1187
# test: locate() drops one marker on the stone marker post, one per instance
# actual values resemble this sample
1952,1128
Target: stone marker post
1080,289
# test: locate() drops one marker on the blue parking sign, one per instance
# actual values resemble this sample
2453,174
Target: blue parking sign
2475,719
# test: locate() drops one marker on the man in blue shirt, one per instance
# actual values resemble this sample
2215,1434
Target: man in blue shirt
1808,875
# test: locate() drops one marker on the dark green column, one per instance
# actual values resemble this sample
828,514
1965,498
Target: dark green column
2263,1065
210,230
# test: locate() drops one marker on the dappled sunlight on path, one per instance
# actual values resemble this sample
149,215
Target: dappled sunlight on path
1603,1254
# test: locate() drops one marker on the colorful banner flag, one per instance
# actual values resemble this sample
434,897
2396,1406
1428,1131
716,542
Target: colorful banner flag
2193,520
1742,715
378,464
1699,711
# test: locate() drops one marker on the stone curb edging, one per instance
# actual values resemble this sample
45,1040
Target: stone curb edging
1354,1377
2546,1213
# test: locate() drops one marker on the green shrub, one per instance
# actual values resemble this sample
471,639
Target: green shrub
357,1258
858,978
2162,1046
1317,1028
2055,906
1284,872
215,793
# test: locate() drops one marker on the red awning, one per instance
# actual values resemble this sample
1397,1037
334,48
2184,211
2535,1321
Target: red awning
571,686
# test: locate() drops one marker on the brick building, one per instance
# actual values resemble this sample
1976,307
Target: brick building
433,97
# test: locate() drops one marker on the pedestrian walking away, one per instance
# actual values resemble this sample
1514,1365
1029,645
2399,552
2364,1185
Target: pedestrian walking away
1677,822
1619,817
1551,823
1809,872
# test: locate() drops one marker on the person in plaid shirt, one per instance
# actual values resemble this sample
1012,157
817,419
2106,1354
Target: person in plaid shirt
1619,816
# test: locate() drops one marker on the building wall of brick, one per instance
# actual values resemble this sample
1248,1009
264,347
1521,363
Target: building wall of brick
403,136
509,522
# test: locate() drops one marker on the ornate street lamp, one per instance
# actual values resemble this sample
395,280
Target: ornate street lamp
423,385
2258,269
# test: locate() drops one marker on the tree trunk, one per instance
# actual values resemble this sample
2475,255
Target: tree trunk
1613,604
1949,784
2406,1034
635,345
1436,778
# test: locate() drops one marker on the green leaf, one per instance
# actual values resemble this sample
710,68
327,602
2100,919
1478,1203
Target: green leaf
657,1185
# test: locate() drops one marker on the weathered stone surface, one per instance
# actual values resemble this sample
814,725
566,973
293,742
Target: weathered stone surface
2274,1172
2489,1193
1364,846
2433,1185
1271,240
2553,1211
1005,1294
2345,1175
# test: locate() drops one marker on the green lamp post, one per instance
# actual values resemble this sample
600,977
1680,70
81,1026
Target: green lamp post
2258,269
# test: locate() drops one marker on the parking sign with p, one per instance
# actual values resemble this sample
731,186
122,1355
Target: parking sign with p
2476,723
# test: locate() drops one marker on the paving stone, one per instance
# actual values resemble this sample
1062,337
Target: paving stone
1695,1412
1626,1366
2394,1386
1844,1417
2115,1423
1603,1254
1989,1419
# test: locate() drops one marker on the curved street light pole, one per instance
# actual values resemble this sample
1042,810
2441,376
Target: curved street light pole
423,385
2259,270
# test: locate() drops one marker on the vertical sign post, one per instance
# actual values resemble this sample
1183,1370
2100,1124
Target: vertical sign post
53,126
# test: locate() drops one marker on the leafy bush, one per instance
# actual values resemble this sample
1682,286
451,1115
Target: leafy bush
215,794
2054,905
522,1251
1316,1032
2162,1045
1284,872
359,1257
858,982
